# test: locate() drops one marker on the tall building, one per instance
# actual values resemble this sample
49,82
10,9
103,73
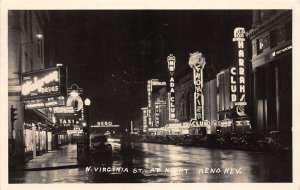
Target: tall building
26,53
271,38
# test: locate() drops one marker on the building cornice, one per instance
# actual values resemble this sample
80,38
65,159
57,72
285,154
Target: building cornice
275,20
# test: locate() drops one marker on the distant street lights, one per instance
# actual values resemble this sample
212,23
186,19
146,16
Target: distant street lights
87,103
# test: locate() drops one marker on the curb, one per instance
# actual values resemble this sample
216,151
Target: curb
53,168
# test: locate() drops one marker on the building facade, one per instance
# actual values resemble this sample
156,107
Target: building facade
271,39
26,53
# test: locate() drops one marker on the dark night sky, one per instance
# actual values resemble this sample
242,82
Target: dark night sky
112,53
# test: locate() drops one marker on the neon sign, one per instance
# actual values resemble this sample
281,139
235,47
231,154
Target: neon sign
151,83
38,84
171,65
197,63
157,115
44,103
104,124
145,118
43,83
237,73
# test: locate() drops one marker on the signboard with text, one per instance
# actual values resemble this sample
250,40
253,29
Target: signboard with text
105,124
45,103
238,72
43,83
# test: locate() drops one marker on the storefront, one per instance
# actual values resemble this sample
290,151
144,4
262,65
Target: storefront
272,72
41,91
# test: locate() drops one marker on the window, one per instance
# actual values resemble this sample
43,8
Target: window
254,48
39,48
273,38
30,25
288,30
276,36
25,21
259,46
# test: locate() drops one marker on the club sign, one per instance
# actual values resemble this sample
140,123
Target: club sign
237,72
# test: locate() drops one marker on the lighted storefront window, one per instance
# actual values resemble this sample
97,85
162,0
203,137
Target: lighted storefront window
28,140
43,140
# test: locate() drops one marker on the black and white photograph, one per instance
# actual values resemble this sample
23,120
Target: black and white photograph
114,96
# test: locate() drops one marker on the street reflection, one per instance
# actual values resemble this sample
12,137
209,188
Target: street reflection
157,163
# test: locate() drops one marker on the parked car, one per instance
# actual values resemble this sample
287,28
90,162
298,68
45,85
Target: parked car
248,141
274,143
100,146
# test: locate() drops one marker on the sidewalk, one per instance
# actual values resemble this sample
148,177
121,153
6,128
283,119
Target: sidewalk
63,157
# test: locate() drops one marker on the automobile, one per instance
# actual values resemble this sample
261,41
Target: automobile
232,140
100,146
248,141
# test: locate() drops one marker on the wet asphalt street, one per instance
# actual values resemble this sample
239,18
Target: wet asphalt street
158,163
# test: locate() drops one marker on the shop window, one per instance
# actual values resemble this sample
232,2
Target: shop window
288,30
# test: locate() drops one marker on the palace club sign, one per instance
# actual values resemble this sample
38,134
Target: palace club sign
197,63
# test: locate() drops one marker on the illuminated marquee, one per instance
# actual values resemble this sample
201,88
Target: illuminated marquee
104,124
171,65
233,84
157,115
45,103
237,73
237,79
197,63
43,83
65,109
145,118
150,84
149,90
68,121
197,123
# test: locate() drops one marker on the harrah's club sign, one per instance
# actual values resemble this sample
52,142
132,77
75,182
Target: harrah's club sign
237,72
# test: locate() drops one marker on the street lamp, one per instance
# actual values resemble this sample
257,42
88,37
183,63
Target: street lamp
39,36
87,103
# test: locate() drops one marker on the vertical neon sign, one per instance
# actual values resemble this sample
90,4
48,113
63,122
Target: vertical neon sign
171,66
237,79
197,63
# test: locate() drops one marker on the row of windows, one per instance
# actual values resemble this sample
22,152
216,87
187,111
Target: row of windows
275,36
28,29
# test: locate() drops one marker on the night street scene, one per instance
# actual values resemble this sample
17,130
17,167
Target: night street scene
150,96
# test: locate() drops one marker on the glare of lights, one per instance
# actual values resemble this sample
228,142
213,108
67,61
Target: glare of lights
171,62
87,102
74,94
39,36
